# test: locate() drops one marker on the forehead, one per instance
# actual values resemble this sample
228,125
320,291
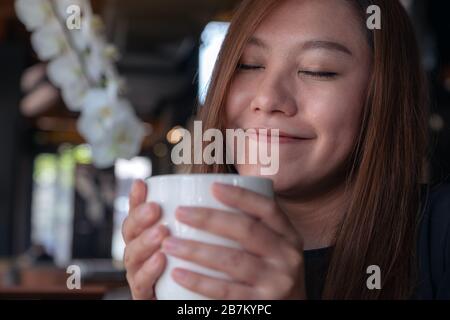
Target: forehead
295,21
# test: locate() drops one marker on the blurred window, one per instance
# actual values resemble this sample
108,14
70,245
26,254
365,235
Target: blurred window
52,204
212,39
126,171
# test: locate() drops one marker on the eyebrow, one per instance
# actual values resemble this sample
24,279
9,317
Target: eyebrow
308,45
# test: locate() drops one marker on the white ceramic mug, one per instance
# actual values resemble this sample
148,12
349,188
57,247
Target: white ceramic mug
172,191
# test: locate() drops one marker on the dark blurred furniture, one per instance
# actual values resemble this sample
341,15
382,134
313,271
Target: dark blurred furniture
48,282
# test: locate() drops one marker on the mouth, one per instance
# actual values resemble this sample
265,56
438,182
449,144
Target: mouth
270,134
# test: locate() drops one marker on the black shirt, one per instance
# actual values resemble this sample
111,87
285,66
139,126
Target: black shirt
433,250
316,266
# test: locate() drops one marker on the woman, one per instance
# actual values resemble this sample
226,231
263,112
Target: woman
351,105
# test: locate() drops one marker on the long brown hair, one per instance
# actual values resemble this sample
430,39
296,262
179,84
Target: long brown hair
379,227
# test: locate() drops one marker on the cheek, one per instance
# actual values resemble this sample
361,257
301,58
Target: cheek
238,100
337,119
339,129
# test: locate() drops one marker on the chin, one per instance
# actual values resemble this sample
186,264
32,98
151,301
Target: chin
284,182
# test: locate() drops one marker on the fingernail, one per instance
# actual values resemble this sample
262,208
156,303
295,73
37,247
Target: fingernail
217,185
153,236
171,244
221,187
145,211
180,273
135,185
183,211
155,258
187,214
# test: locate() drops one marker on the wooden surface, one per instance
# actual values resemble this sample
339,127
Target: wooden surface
52,293
47,282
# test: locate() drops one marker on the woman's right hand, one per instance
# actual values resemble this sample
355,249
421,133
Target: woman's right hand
143,259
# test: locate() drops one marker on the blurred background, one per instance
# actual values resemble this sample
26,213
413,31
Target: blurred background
56,208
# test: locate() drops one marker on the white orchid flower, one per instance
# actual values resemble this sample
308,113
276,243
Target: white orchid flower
74,95
49,41
100,113
79,39
97,117
124,142
66,73
98,62
110,126
65,70
100,56
33,13
81,64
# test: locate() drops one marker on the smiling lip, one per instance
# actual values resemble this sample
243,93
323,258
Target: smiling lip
283,136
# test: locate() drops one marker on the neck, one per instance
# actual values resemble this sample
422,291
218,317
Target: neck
317,217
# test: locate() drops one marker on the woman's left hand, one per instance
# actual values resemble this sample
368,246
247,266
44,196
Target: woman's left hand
270,266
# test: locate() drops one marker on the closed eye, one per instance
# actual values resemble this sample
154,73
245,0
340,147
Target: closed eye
314,74
243,66
319,74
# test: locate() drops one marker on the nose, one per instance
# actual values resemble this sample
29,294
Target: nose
274,96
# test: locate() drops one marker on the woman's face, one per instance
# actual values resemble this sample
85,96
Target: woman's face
305,72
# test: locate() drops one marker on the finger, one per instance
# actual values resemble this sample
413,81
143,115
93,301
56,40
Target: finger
253,235
138,194
239,265
256,205
142,285
140,219
143,247
212,287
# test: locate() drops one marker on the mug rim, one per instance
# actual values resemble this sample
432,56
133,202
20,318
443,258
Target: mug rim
204,175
